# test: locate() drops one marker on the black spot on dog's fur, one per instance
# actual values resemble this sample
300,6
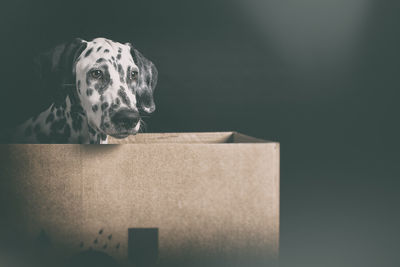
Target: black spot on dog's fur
79,86
59,131
89,92
104,106
98,49
88,52
106,50
117,101
103,137
58,125
109,42
95,108
77,121
121,73
119,56
124,96
100,60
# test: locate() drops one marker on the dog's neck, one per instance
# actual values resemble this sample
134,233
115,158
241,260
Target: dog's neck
66,124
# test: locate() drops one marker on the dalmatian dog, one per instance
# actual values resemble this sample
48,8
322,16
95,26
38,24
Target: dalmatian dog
99,88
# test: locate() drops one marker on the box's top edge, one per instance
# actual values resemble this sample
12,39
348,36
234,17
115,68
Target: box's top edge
230,137
214,138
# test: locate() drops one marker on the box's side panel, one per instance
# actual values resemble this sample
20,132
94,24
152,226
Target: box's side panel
206,203
189,138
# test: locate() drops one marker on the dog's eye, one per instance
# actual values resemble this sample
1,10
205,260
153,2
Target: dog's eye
134,75
97,74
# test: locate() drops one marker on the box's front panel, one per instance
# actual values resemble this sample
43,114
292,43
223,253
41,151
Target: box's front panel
176,203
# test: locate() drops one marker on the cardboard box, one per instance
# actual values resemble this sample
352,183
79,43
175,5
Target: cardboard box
184,199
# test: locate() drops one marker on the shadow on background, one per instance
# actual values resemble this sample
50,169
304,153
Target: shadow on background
321,77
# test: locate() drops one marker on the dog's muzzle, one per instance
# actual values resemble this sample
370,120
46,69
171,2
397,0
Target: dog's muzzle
125,121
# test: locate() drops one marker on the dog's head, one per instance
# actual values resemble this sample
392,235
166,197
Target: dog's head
114,83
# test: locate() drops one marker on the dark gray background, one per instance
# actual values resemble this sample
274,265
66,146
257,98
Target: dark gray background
320,77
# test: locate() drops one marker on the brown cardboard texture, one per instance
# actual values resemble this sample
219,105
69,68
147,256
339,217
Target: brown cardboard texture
182,199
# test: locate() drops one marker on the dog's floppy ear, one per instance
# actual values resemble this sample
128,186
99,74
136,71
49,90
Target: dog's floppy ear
147,81
55,70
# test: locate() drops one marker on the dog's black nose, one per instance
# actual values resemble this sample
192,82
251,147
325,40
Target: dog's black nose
125,118
146,102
